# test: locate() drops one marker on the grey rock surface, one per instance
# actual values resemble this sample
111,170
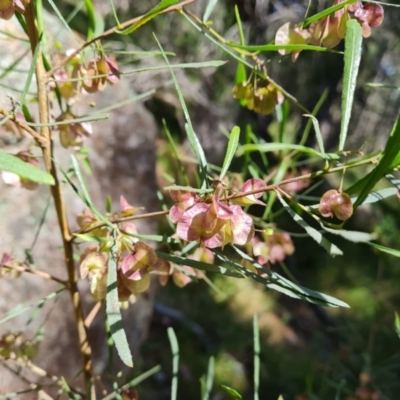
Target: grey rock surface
123,160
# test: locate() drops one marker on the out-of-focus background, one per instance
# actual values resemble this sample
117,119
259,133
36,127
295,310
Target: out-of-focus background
307,351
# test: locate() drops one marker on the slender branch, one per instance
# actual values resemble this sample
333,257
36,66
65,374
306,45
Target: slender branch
299,178
56,191
20,363
89,319
42,141
42,274
124,219
267,188
175,7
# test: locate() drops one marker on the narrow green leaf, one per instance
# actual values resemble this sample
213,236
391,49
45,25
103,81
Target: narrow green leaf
326,12
22,22
383,249
279,283
13,66
276,47
240,27
153,238
90,118
393,180
188,189
352,58
114,11
21,308
331,248
194,65
99,24
318,134
379,195
31,72
89,238
397,323
382,86
113,311
23,169
231,150
315,111
63,21
91,19
352,236
181,168
173,341
231,392
389,160
210,379
209,9
164,4
109,204
198,264
192,137
133,383
241,75
256,350
267,147
85,193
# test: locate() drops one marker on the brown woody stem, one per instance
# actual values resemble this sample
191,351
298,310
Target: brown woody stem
40,72
42,274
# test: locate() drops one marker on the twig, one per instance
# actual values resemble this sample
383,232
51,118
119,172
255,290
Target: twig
36,370
40,139
175,7
42,274
310,175
124,219
89,319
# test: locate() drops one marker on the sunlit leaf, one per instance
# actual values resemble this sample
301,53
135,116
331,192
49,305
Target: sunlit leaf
233,394
209,9
318,134
113,311
352,58
63,21
267,147
352,236
278,282
379,195
23,169
389,160
21,308
188,189
85,193
91,19
326,12
383,249
164,4
276,47
397,323
191,135
198,264
231,150
208,384
173,342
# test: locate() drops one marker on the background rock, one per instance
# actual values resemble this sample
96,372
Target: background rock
123,161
